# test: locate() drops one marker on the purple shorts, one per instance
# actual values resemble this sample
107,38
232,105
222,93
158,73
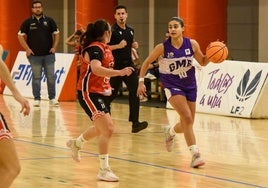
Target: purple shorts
190,94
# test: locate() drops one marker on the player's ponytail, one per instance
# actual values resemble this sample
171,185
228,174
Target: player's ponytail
94,32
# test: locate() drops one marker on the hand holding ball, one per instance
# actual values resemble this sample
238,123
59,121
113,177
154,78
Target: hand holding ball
217,52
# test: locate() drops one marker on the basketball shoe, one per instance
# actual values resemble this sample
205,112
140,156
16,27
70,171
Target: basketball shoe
75,149
168,139
138,126
53,102
36,103
150,76
197,161
107,175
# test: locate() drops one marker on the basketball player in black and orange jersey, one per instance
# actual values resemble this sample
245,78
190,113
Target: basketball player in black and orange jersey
9,161
93,91
122,42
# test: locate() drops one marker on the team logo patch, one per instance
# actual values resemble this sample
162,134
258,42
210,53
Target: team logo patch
170,55
45,23
187,51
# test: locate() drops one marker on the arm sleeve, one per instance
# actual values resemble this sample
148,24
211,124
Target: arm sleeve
95,52
54,27
24,29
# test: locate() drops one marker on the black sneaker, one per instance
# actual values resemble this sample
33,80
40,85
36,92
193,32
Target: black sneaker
138,126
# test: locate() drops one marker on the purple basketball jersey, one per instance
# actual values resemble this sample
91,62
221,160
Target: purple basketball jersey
175,68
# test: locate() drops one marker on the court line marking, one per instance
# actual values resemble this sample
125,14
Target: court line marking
139,162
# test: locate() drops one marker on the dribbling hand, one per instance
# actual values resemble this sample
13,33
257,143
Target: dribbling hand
141,91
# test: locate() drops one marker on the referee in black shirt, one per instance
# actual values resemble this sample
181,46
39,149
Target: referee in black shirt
121,42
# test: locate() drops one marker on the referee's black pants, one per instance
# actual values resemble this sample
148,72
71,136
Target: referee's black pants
132,86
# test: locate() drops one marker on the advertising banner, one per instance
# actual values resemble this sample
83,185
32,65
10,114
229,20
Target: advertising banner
231,88
22,75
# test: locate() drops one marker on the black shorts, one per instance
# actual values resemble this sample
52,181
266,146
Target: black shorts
94,104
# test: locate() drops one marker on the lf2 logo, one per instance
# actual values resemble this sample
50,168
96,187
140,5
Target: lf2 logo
237,110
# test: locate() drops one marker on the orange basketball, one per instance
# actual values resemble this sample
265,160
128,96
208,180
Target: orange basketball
217,52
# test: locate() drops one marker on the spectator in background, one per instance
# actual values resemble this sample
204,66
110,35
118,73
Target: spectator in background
39,36
74,41
152,74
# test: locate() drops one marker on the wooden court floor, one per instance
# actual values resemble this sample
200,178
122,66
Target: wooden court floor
235,150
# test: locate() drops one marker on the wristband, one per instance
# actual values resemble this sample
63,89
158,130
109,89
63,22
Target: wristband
141,79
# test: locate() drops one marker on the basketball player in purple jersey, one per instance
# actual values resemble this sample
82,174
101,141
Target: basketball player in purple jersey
177,74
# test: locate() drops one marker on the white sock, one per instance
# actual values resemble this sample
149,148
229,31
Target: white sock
104,161
172,132
193,149
79,141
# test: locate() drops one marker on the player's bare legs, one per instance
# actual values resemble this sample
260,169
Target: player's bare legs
9,162
186,111
103,128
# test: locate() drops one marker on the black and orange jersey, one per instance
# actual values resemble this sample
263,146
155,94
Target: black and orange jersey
88,81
